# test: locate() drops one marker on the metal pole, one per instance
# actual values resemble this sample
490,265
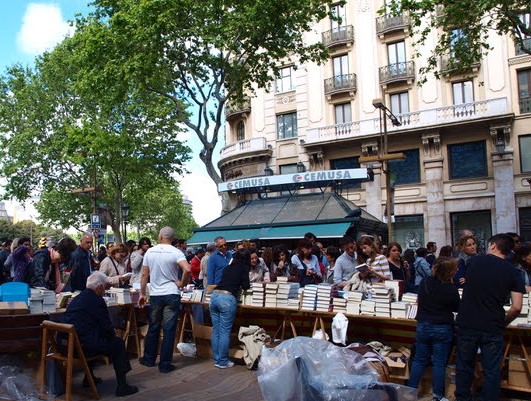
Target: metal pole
387,184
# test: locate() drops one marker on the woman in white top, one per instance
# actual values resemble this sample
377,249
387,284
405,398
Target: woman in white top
378,264
113,266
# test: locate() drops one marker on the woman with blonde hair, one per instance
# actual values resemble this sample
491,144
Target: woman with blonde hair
378,264
113,266
468,248
438,299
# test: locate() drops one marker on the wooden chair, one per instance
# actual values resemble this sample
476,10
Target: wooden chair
74,356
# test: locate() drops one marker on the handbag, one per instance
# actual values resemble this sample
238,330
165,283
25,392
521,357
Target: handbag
304,279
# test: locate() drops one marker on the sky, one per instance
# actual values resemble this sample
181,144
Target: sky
28,28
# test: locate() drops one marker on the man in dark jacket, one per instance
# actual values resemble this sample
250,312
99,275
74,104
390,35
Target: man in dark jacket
90,316
80,266
4,253
44,259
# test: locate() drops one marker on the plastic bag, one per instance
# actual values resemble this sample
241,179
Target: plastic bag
318,335
339,329
311,369
54,379
187,349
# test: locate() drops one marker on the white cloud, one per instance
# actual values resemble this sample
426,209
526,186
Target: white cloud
42,28
203,193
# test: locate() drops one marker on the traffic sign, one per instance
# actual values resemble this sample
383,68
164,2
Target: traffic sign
95,221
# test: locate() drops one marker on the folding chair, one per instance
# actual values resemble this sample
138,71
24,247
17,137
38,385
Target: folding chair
74,357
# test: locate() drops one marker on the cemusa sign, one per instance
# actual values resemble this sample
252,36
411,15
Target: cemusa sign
296,178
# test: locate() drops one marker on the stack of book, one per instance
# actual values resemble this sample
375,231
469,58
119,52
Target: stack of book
271,290
35,301
48,301
309,297
523,319
368,307
398,309
397,286
410,298
411,311
192,296
339,305
382,296
122,295
324,295
246,297
354,299
258,296
285,292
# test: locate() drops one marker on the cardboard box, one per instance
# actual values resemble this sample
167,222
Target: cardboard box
202,335
398,362
517,375
14,308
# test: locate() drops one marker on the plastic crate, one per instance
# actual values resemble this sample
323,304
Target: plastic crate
14,292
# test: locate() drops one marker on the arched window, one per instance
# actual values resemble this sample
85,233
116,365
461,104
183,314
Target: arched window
240,131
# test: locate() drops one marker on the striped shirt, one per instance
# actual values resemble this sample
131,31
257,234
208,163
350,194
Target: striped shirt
381,266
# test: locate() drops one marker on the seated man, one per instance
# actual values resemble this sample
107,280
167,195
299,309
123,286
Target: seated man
89,315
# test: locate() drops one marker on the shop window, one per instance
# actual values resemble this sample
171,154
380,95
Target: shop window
346,163
409,231
524,222
468,160
524,91
525,153
240,131
286,81
479,222
287,125
406,171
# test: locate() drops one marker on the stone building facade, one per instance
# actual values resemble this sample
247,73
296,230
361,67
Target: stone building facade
466,137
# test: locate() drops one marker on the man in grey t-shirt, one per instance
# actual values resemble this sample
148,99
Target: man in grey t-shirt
346,263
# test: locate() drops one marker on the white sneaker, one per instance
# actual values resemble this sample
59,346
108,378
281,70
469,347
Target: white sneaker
229,364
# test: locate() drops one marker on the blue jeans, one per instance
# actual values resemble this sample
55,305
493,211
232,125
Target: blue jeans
433,342
165,310
222,313
491,347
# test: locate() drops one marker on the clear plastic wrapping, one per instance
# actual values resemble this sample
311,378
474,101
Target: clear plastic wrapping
308,369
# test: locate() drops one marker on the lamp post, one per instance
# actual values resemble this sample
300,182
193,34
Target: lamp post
125,216
384,157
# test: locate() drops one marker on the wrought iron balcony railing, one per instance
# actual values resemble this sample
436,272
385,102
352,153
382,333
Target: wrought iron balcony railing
338,36
340,84
404,71
387,23
234,108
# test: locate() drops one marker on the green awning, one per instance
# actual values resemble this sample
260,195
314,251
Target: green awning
333,230
204,237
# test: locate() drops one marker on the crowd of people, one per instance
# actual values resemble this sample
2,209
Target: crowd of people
487,281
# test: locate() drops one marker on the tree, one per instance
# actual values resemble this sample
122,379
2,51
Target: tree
60,139
464,28
27,228
202,52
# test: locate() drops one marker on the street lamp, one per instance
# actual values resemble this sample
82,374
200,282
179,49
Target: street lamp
125,216
384,158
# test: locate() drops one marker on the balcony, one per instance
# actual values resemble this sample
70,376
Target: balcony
518,47
235,109
338,36
398,72
345,83
248,148
448,115
448,66
387,24
525,105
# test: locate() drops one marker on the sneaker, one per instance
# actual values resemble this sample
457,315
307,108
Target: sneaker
142,361
167,369
229,364
125,390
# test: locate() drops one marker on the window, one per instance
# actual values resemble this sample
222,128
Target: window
463,93
346,163
285,82
524,91
340,71
405,171
396,54
409,231
467,160
525,153
343,113
338,10
287,125
288,169
479,222
458,42
240,131
399,103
